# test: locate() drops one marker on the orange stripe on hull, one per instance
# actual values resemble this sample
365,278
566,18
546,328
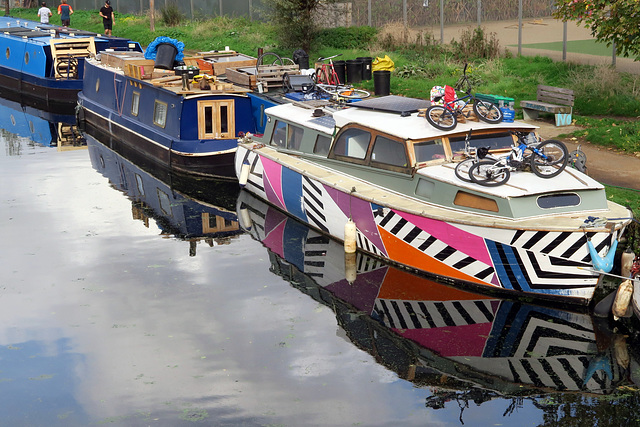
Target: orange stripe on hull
400,251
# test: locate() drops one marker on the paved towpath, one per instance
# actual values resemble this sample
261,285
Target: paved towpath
540,30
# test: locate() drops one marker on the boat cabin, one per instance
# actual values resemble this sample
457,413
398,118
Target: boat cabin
404,154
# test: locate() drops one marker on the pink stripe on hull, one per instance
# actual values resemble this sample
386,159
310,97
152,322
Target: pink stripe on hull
460,240
272,181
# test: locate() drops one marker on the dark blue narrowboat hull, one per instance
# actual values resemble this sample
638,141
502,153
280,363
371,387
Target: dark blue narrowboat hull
105,104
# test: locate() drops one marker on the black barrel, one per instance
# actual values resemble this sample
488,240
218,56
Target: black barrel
301,58
341,70
382,82
354,71
366,67
165,55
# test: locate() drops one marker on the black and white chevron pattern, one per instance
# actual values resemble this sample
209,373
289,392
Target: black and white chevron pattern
429,245
568,245
401,314
313,196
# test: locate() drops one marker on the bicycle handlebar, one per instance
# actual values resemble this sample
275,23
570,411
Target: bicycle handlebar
329,57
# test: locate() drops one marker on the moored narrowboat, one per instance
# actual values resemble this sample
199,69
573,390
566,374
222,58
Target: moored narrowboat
46,62
383,167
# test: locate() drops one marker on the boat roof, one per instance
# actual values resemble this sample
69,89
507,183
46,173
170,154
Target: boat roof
405,124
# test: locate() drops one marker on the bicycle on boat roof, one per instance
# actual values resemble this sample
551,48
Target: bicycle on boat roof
326,73
445,116
546,159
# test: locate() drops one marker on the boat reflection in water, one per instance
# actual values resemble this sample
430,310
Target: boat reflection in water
46,128
469,346
155,194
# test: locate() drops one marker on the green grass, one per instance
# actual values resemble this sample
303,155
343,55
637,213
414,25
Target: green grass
589,47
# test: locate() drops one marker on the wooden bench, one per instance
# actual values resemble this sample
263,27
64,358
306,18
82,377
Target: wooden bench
554,100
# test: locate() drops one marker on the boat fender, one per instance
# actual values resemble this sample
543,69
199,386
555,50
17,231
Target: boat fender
626,262
350,271
623,298
620,351
350,237
604,264
244,174
245,219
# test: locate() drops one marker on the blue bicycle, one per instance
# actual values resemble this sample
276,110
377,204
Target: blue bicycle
546,159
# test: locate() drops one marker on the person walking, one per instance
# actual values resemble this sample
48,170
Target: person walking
44,13
108,17
65,11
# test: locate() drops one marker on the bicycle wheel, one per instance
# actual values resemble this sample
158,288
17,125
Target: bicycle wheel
549,158
351,93
329,89
487,111
489,173
283,61
441,118
462,169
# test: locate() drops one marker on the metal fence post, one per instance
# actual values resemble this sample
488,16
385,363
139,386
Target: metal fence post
369,13
404,12
441,21
519,27
479,13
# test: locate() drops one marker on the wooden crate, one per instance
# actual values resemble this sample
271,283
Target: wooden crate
219,62
139,68
244,76
117,59
272,74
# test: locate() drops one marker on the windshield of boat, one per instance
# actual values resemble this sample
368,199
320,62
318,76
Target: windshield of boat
494,141
429,150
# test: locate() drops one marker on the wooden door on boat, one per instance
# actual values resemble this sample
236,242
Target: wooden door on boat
216,119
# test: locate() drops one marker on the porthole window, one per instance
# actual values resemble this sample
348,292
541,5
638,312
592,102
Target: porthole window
26,57
558,200
8,53
97,84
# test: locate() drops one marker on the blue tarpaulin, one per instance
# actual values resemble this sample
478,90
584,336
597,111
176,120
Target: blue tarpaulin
151,51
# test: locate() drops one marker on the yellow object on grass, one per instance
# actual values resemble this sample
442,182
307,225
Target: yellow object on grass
382,64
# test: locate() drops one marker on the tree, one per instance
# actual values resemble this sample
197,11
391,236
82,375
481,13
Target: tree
294,21
610,21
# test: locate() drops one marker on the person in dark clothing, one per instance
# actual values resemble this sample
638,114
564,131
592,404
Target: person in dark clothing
108,17
65,11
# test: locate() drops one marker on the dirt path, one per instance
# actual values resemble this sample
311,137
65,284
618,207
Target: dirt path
604,165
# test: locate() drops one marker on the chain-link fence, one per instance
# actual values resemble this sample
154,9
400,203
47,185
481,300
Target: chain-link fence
377,13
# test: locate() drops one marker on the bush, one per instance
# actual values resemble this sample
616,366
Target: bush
475,44
171,15
347,38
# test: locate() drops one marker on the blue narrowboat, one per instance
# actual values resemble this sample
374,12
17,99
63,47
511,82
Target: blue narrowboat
46,62
186,127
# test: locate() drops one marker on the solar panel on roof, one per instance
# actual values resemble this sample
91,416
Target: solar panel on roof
24,32
325,121
394,104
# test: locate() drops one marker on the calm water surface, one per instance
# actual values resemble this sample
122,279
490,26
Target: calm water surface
123,302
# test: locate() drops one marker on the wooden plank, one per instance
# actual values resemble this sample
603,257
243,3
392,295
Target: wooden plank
546,107
555,95
238,76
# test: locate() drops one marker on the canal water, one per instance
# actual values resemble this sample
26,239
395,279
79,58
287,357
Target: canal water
132,297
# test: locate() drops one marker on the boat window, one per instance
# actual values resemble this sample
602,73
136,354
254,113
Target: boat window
279,136
389,151
216,119
165,202
295,137
323,143
558,200
97,84
135,103
139,185
429,150
493,141
474,201
26,57
160,114
8,53
353,143
425,188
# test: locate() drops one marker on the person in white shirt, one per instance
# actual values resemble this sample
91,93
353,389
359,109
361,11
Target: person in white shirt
44,13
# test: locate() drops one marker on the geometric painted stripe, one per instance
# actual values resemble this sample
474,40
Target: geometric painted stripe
365,244
315,254
366,263
570,245
403,314
256,173
312,195
560,373
429,245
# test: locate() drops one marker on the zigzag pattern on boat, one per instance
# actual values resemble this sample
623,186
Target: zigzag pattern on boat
527,271
256,172
365,263
429,245
365,244
315,251
313,194
401,314
570,245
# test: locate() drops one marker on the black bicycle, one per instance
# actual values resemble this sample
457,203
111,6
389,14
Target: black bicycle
445,116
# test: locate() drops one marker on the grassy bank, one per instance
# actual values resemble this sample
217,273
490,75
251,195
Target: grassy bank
607,103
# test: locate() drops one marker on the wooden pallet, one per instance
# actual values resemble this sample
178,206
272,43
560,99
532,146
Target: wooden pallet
272,74
70,47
